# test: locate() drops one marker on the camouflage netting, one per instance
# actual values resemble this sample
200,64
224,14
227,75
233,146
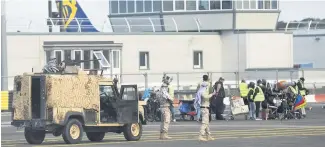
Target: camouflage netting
63,91
72,91
21,101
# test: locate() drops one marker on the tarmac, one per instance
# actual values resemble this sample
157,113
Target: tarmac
233,133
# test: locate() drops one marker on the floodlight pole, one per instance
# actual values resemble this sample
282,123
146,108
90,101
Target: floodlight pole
4,68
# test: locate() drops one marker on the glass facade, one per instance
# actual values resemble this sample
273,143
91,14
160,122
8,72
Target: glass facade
149,6
256,4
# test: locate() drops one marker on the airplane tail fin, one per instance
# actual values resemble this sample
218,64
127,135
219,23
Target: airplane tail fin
75,18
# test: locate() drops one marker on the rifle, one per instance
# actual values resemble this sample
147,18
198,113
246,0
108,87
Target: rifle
74,62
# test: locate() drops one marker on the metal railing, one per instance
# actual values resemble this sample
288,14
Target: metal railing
302,25
129,24
139,24
187,81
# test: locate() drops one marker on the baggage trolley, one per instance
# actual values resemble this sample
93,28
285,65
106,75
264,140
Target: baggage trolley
234,106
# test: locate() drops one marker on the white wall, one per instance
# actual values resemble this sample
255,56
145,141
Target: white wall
269,50
233,54
167,53
308,50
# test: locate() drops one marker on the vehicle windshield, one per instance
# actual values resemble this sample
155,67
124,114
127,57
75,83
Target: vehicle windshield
106,90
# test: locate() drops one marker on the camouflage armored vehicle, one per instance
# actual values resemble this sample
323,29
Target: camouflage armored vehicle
70,104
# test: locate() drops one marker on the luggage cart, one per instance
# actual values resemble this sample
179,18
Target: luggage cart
235,106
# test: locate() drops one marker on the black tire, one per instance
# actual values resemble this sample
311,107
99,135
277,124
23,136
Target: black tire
95,136
131,135
70,138
34,136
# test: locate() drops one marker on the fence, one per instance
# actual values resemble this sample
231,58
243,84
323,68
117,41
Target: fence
301,25
187,81
138,24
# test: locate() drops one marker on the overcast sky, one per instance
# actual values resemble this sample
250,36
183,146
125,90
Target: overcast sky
299,9
291,9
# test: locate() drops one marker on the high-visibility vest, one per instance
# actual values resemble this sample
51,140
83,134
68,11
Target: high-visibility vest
302,92
260,95
293,90
296,88
243,89
249,89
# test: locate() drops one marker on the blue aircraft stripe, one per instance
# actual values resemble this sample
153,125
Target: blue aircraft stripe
74,14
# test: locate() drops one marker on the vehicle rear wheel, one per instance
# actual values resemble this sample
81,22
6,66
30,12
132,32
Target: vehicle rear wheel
132,132
72,132
34,136
95,136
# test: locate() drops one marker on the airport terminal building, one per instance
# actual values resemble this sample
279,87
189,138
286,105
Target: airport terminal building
140,37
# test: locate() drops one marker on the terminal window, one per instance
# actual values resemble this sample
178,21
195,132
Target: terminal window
87,57
190,5
96,62
131,6
215,4
179,5
141,6
256,4
76,55
197,59
144,60
116,58
147,6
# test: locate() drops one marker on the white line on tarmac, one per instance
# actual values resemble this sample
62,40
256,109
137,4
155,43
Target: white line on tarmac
211,125
8,124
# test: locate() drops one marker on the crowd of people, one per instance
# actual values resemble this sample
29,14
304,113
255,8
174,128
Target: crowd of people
261,94
209,99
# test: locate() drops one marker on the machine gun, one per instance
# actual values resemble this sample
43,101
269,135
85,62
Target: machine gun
70,66
66,66
75,63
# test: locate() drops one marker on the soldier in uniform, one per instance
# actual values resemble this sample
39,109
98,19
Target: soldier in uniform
200,88
205,103
164,100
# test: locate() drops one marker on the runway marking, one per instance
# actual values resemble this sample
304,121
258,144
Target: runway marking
217,132
236,125
243,130
188,135
182,139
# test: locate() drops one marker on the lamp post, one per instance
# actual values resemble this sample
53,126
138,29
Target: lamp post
4,69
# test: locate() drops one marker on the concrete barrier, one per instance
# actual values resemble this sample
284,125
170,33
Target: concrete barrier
319,98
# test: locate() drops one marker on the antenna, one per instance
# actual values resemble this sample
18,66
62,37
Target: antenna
102,60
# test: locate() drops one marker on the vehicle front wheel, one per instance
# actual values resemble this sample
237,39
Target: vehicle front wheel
34,136
72,132
132,132
95,136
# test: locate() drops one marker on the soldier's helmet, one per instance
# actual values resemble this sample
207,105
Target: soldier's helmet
167,80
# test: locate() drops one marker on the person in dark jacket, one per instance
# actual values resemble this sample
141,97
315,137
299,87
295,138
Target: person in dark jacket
220,95
251,103
258,98
303,92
